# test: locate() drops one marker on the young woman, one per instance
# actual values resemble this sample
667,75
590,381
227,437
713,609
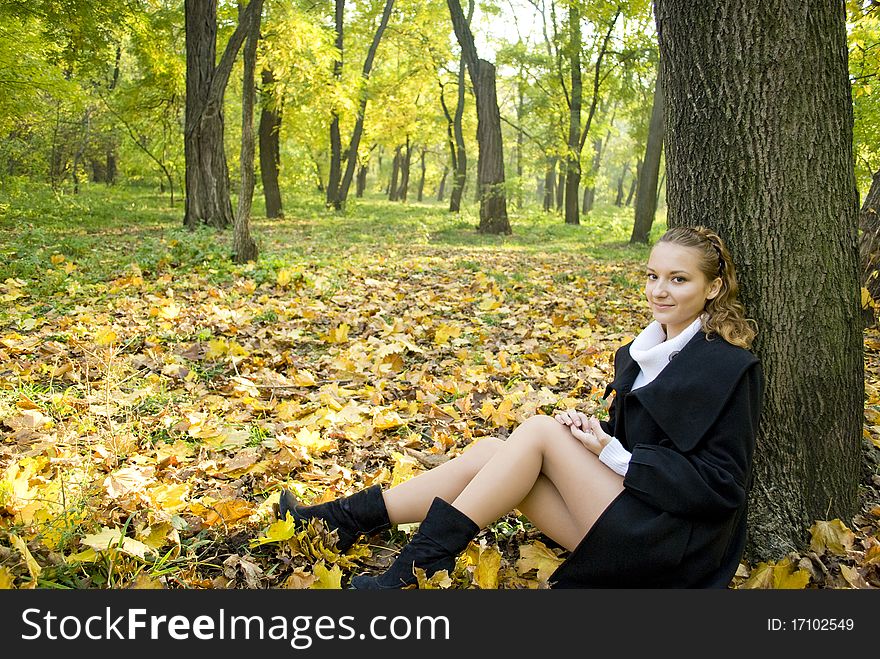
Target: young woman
654,497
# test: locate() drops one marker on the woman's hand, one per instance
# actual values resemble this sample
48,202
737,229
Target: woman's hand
585,429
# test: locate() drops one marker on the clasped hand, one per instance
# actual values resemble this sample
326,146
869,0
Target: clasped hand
585,428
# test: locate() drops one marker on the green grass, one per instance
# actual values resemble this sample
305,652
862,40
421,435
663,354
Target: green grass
105,231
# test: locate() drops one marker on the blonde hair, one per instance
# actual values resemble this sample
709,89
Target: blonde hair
725,314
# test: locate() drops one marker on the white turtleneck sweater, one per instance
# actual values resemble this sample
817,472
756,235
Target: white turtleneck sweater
653,352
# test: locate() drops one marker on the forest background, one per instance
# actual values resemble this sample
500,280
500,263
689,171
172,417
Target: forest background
157,389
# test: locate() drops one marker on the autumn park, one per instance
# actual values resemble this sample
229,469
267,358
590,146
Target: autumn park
316,246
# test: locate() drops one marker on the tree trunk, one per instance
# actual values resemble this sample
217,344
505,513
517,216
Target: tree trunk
395,172
405,161
490,167
549,183
459,176
869,249
646,198
520,108
244,248
421,192
110,173
355,141
207,177
361,181
759,147
619,200
573,157
560,186
633,186
590,190
442,187
270,148
335,175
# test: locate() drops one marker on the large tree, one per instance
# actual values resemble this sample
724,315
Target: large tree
759,147
490,167
649,172
207,176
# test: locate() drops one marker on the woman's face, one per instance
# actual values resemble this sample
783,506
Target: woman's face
676,288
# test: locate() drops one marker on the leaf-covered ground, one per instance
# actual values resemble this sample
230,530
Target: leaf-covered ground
154,399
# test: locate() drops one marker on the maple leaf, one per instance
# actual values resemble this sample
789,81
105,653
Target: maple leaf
537,556
280,531
229,512
486,568
439,580
300,579
327,579
113,539
781,575
33,567
444,332
833,536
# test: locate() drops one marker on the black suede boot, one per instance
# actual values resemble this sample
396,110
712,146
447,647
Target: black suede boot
363,512
443,535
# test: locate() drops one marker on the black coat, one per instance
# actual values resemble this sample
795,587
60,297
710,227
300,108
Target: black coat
680,521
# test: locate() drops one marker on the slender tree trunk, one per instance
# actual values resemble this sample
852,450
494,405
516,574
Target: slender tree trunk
459,177
560,186
590,191
520,105
393,192
355,141
573,157
270,148
421,192
869,249
335,175
405,161
633,186
442,187
207,177
759,147
361,183
244,248
646,198
490,167
83,143
619,200
549,183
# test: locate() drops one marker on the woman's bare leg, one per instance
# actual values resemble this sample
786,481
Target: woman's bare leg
542,446
409,501
566,521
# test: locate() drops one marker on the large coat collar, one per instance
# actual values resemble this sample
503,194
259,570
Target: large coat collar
688,395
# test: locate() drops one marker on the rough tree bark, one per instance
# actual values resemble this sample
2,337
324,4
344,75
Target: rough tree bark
490,167
646,197
270,149
759,148
207,177
244,248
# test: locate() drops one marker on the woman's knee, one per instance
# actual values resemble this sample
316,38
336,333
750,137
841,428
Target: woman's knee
481,452
538,428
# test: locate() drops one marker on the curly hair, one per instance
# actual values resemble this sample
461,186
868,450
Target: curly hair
725,314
